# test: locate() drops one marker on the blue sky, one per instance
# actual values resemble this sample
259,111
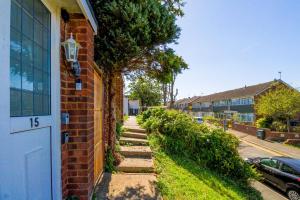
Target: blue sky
233,43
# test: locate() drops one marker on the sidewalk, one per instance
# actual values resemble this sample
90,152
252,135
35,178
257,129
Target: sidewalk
134,178
279,148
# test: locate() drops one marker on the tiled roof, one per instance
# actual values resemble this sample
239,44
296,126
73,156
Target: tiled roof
246,91
186,100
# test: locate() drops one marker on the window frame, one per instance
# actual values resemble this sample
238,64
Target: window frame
43,68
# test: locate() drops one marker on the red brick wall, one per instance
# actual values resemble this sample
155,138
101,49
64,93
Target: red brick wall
251,130
77,155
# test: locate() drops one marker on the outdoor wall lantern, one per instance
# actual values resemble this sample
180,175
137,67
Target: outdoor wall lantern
71,52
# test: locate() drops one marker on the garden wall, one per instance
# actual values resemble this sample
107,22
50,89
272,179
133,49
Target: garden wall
251,130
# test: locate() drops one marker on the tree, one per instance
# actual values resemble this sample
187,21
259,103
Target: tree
146,90
130,31
129,35
280,102
167,66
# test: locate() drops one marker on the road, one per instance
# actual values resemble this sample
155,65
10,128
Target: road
246,150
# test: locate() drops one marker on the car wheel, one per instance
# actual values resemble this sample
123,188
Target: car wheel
293,195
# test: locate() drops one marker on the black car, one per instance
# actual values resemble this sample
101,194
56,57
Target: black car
282,172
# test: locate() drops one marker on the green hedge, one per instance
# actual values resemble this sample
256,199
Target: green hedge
180,134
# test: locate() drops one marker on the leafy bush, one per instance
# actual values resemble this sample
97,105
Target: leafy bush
264,122
180,134
212,120
279,126
119,130
296,129
109,161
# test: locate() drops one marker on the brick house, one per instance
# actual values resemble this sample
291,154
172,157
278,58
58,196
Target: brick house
238,102
53,131
185,104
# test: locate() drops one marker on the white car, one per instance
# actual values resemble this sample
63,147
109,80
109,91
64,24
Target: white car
199,120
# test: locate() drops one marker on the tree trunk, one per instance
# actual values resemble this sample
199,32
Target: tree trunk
165,93
288,124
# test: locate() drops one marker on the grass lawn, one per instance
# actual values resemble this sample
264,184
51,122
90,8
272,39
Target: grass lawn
182,178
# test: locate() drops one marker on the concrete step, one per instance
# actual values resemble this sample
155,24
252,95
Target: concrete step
133,141
136,165
136,151
135,129
134,135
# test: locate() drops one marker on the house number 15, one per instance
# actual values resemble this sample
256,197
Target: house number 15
34,122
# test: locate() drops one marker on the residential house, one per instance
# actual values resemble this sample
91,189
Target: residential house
134,107
185,104
238,102
125,105
52,116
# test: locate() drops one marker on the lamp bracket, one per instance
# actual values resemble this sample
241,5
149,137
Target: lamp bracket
76,68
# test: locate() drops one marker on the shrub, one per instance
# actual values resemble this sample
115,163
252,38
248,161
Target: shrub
279,126
296,129
179,134
109,161
119,130
212,120
264,122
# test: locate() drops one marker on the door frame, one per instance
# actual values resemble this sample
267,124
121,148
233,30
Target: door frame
100,73
6,120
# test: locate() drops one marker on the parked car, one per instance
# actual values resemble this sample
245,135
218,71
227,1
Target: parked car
282,172
199,120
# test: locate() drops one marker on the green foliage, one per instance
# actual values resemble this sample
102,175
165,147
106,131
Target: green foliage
167,65
280,102
174,6
125,118
296,129
212,120
73,197
179,134
130,31
279,126
119,130
109,161
179,177
264,122
146,90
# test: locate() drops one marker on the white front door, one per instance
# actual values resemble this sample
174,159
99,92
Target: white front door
28,124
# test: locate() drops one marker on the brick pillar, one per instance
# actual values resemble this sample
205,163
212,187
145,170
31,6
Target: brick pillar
78,153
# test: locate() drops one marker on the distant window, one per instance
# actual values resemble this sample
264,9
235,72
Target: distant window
287,169
220,103
246,117
29,58
242,101
270,163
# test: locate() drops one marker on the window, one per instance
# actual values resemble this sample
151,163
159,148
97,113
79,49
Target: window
29,58
220,103
242,101
287,169
205,104
270,162
246,117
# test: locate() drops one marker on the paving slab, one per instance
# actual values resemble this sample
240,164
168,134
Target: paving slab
266,192
134,141
134,135
127,187
136,165
138,151
136,129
